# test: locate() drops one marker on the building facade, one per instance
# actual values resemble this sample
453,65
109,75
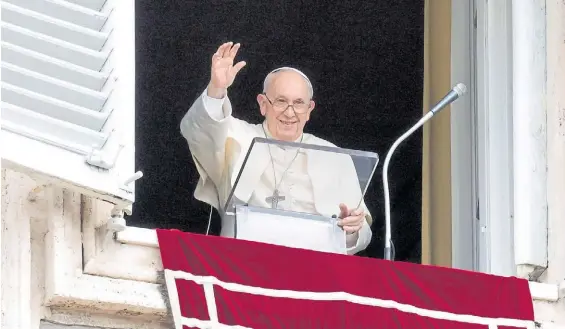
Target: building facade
493,174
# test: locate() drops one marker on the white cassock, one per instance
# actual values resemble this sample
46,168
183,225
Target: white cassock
315,182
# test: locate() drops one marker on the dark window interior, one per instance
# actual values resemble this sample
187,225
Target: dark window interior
365,60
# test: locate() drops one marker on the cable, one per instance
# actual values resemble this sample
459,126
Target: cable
209,220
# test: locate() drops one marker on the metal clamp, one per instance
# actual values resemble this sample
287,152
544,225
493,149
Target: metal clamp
117,222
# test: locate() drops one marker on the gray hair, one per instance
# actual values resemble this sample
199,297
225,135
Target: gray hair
286,68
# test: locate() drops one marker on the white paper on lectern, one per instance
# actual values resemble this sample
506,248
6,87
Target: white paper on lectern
319,234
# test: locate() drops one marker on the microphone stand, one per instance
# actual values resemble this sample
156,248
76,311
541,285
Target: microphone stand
453,95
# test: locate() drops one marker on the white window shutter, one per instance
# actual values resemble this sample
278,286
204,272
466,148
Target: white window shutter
68,96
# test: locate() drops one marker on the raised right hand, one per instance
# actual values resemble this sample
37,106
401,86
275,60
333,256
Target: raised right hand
223,70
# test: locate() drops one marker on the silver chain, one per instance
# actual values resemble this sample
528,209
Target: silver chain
273,162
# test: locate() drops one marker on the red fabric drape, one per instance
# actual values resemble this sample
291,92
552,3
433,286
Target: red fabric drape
273,267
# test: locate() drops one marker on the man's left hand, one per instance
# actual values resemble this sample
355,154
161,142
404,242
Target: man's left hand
351,220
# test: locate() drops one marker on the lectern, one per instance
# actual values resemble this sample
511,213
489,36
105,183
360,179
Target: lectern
302,212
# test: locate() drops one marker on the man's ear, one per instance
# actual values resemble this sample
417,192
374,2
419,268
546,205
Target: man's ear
261,100
312,106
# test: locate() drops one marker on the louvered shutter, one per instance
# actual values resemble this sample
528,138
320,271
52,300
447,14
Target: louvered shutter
68,92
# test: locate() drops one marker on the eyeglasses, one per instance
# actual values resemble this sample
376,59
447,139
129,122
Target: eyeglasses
281,105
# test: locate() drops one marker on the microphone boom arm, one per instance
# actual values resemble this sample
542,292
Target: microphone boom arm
388,235
457,91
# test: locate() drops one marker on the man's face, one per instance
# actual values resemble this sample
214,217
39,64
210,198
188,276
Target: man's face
286,122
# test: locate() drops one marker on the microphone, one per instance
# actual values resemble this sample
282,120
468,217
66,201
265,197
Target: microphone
457,91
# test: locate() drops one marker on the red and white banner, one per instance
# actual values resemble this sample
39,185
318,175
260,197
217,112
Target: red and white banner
216,282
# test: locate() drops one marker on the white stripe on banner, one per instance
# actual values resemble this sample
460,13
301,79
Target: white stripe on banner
211,302
191,322
174,299
492,323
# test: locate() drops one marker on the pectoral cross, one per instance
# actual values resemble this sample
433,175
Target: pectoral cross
274,199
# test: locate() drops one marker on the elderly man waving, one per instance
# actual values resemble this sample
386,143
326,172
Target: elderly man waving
295,182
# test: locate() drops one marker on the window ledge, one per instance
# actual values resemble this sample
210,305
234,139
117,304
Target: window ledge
138,236
148,238
544,291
